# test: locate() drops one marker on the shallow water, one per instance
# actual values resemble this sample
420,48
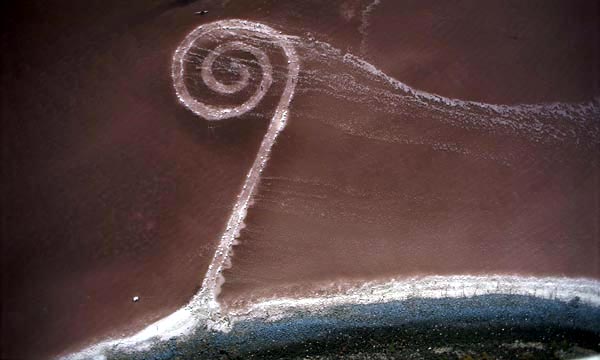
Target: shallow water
372,179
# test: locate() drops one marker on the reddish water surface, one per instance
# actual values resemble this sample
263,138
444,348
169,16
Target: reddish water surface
360,188
111,189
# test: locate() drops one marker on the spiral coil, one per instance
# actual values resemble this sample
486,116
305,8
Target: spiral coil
246,29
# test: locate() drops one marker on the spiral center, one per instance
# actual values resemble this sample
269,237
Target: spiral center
242,82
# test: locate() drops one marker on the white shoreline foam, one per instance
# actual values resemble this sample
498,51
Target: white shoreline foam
429,287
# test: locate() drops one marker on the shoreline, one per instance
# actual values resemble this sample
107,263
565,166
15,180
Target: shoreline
479,322
194,317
